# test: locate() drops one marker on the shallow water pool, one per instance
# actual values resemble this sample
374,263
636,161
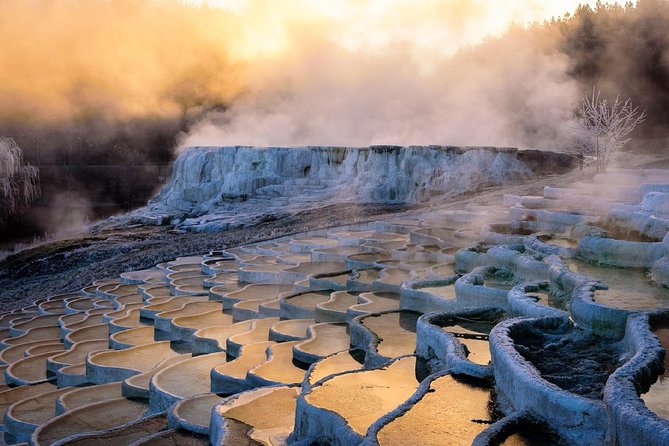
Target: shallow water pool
629,288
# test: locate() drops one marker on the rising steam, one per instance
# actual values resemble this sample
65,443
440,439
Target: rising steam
291,72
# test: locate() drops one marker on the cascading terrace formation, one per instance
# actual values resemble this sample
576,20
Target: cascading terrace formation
538,320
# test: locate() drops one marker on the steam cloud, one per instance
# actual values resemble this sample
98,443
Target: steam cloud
295,72
111,81
401,88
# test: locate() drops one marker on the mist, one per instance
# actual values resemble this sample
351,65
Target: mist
122,85
505,92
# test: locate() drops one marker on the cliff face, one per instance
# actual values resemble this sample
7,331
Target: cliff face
212,181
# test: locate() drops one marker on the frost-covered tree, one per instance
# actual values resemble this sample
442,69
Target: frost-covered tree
603,129
19,181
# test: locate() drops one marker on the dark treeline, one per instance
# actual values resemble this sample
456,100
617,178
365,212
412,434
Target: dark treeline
623,50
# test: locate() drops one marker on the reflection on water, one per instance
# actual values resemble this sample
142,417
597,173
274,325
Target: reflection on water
544,297
453,412
396,332
271,413
478,350
657,398
629,288
337,363
498,283
533,435
447,291
363,397
473,335
561,242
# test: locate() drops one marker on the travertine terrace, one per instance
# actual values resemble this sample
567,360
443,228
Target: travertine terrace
487,324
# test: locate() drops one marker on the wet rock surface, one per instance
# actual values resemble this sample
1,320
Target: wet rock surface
572,359
318,337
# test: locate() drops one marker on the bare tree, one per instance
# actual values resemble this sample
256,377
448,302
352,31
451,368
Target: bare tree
602,130
19,181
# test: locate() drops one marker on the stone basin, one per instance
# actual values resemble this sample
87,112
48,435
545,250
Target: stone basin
213,339
174,437
279,368
163,320
149,311
140,431
374,303
395,332
258,333
38,321
72,375
117,365
561,242
94,332
391,279
54,347
290,330
269,274
305,269
111,292
183,379
130,320
452,412
11,396
302,305
330,281
335,309
84,396
324,339
194,413
137,386
306,244
28,371
230,377
127,299
34,334
94,417
250,309
363,280
628,288
296,259
336,363
15,352
362,397
189,287
132,337
49,307
182,328
76,354
87,321
365,260
121,312
142,276
254,292
255,417
336,254
658,395
589,358
23,417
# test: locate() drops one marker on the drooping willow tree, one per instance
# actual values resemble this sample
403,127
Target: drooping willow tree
19,181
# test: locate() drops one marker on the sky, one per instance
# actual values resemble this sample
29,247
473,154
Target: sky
289,72
440,26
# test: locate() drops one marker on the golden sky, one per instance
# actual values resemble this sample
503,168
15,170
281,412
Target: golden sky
62,58
441,26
